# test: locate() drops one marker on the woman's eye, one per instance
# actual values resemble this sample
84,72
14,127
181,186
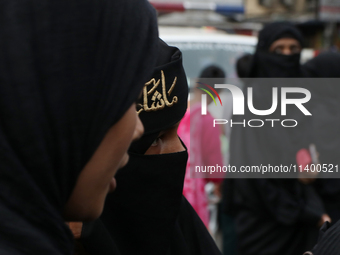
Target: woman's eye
156,142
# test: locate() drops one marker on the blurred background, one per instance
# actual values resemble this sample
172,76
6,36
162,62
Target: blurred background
217,33
220,31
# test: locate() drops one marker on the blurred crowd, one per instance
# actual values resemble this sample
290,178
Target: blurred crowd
279,215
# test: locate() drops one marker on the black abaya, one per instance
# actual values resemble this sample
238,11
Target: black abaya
273,216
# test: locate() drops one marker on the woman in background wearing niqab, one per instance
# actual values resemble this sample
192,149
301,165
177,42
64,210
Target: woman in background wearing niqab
277,52
70,72
273,216
326,137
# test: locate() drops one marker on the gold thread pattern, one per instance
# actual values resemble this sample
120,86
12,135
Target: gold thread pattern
162,99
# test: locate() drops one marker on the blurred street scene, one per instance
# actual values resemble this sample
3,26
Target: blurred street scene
225,34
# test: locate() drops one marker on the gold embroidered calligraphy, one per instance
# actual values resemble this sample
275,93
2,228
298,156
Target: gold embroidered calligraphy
161,98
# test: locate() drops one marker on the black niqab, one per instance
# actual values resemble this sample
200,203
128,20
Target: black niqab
68,72
328,243
271,65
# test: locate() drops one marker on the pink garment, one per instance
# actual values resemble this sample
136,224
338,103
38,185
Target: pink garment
204,150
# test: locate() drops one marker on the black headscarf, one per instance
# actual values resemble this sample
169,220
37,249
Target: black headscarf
275,31
68,71
271,65
169,66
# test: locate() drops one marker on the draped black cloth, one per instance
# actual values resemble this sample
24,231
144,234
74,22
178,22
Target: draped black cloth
273,216
190,235
328,242
147,213
68,71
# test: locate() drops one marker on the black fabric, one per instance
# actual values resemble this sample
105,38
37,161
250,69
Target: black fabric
190,236
273,216
170,63
142,212
324,133
140,215
68,72
328,242
272,65
243,65
325,65
96,239
326,124
147,213
277,30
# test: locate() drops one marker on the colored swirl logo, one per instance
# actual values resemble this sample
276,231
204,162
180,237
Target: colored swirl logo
209,93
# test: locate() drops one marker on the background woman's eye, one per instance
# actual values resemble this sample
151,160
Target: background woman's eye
278,51
295,49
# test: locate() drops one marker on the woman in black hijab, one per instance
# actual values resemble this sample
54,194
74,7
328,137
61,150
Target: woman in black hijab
69,74
147,214
273,216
